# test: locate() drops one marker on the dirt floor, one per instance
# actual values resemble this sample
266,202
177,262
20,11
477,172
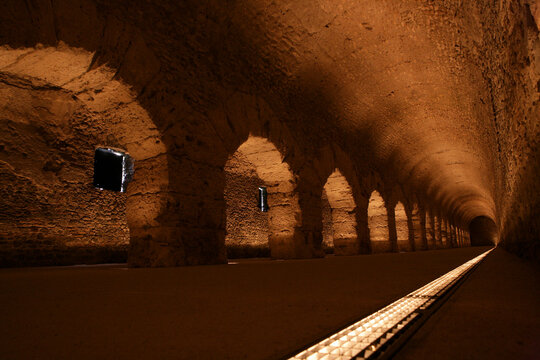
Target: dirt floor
254,309
495,314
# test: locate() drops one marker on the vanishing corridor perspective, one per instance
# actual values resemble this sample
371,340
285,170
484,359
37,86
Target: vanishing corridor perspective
276,130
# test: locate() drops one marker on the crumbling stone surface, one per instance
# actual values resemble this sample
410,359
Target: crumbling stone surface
50,213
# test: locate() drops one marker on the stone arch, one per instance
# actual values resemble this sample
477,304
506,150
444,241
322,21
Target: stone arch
340,229
258,162
379,233
83,107
402,228
240,117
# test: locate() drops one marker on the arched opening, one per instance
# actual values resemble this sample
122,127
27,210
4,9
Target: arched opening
402,228
249,230
483,231
379,234
339,216
60,110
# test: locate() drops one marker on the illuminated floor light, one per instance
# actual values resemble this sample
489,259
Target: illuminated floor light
363,338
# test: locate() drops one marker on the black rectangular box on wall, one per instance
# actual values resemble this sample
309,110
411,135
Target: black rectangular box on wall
113,169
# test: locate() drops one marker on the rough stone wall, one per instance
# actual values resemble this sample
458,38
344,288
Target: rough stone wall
56,112
247,226
402,228
378,224
344,225
512,65
50,213
500,41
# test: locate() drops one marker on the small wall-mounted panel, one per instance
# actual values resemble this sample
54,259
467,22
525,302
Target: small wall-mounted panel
113,169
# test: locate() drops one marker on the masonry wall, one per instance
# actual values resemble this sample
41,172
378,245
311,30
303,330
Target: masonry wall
513,69
50,214
247,226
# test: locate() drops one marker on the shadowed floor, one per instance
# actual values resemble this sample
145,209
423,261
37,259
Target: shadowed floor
255,309
495,314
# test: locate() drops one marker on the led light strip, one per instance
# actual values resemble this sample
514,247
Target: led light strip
363,338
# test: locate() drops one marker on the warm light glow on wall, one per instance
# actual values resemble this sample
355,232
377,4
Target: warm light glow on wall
402,228
343,217
378,224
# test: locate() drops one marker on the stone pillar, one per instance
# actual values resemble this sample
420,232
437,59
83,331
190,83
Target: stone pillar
438,232
190,227
418,230
444,233
431,239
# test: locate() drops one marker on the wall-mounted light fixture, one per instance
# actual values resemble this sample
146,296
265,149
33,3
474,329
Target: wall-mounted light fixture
113,169
263,199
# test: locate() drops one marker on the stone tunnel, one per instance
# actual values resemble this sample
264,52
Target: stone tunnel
379,129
